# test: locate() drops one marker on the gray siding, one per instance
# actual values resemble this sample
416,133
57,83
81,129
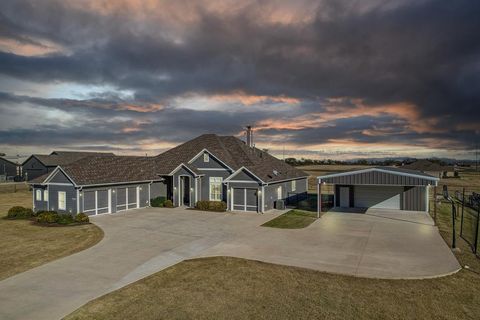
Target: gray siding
204,184
244,176
377,178
158,189
71,198
414,199
271,191
212,163
42,204
60,177
33,169
7,168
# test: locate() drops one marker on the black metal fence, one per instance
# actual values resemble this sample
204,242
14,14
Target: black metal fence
468,210
308,201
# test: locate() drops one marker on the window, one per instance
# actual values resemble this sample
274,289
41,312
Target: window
38,195
206,157
294,185
45,195
61,200
279,192
216,188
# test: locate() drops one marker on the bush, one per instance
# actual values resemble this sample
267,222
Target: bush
82,218
18,212
48,217
168,204
157,202
65,219
218,206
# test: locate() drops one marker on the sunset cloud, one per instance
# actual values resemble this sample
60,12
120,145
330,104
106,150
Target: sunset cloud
367,77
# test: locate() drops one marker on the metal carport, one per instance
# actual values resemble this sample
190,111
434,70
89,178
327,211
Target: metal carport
380,187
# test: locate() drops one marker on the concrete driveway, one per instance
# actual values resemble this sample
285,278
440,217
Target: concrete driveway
142,242
376,244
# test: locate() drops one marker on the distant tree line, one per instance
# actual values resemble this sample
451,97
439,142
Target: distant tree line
363,162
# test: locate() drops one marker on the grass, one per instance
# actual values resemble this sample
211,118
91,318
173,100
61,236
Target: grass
293,219
25,246
232,288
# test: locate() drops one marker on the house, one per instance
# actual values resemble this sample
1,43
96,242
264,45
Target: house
8,169
433,168
381,188
209,167
39,164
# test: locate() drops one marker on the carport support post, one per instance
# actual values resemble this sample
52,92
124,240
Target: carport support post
319,198
435,204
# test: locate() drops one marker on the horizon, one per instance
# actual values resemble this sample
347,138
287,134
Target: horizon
316,79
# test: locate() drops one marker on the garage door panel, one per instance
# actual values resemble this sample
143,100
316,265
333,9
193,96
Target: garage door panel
245,199
102,200
238,197
132,197
89,202
380,197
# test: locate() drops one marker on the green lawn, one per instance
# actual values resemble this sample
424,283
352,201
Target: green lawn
232,288
293,219
25,246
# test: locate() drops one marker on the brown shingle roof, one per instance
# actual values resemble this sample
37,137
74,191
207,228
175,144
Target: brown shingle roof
112,169
234,153
58,158
230,150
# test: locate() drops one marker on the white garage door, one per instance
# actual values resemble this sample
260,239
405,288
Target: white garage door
380,197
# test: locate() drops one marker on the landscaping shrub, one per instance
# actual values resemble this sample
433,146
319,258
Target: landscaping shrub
48,217
18,212
157,202
65,219
205,205
168,204
82,218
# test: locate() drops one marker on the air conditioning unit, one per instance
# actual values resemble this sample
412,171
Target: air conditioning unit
280,205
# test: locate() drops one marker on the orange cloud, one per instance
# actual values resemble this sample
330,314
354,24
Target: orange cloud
343,108
33,48
249,100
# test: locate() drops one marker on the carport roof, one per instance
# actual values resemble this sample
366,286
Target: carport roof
380,175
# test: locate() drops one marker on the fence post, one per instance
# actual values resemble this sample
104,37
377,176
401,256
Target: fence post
476,233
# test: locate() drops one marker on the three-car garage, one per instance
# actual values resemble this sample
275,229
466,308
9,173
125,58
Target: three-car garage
380,188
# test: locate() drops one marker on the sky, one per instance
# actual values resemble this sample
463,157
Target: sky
316,79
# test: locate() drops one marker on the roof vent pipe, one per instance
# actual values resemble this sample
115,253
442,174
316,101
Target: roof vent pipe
249,132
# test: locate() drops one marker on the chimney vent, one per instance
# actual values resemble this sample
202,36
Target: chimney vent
249,132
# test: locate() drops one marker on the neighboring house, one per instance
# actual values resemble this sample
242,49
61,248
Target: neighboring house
433,168
39,164
209,167
380,188
8,169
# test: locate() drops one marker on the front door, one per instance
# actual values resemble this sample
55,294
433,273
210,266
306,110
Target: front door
185,191
344,197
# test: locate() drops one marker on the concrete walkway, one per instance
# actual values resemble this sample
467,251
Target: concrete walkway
142,242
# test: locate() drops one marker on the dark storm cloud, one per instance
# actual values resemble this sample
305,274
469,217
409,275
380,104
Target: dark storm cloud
423,53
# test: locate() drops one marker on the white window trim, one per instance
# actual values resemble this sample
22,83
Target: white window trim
38,195
206,157
279,192
211,183
64,207
45,195
294,185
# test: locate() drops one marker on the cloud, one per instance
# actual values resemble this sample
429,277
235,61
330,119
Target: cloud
306,72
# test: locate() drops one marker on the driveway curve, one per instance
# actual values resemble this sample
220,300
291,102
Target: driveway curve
141,242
